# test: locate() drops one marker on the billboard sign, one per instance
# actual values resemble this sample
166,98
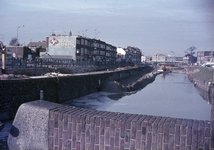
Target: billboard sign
62,46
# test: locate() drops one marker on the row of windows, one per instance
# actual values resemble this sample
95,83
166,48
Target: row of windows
204,54
203,58
94,44
96,52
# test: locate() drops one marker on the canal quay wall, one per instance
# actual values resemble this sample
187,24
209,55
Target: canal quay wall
56,87
202,77
67,127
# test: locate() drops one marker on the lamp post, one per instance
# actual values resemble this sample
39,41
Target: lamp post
86,33
17,34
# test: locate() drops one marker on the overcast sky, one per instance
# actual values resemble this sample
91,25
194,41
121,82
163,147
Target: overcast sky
152,25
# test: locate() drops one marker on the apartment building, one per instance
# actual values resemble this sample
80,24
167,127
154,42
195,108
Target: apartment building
78,48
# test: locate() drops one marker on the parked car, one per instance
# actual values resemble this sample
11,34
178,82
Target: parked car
208,64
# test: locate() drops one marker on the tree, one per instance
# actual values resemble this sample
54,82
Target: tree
13,42
190,54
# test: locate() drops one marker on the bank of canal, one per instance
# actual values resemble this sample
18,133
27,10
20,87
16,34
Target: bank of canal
170,95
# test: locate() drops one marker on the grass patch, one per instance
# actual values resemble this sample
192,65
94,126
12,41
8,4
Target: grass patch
204,74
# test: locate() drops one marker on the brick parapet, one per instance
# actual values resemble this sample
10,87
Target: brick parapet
79,128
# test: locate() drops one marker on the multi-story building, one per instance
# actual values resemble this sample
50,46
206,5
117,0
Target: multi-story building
148,58
121,53
38,47
78,48
158,57
143,58
133,54
205,56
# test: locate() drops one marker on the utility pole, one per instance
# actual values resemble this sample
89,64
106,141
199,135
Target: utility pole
95,31
212,55
17,34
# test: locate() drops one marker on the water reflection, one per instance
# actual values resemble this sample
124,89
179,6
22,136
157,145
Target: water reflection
205,95
209,98
170,95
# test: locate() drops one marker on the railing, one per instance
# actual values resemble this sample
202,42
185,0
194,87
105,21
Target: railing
51,62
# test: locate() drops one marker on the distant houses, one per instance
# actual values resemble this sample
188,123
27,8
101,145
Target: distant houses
20,51
79,48
161,58
205,56
129,54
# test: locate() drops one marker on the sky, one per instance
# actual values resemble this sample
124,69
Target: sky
154,26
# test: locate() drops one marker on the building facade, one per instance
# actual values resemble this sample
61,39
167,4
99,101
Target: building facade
79,48
121,53
38,47
205,56
20,51
133,54
143,58
159,57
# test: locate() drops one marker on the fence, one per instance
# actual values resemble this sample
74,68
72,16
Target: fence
50,62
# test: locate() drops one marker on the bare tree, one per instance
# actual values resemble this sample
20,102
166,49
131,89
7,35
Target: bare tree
13,42
190,53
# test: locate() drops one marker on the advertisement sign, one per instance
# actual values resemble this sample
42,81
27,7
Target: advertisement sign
62,46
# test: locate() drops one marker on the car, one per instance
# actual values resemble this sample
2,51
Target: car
207,65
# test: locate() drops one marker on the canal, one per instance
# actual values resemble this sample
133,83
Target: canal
170,95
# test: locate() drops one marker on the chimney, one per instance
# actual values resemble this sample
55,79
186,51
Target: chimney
70,34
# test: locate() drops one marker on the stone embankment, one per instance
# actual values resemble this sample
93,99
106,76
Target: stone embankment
134,82
202,77
59,88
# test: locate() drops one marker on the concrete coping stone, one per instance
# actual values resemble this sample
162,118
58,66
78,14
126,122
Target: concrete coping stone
30,126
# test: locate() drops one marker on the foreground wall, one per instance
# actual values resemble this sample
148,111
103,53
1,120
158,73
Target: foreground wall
55,88
77,128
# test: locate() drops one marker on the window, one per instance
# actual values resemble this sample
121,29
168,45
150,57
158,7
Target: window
86,42
96,45
96,52
82,50
102,52
107,54
102,46
78,41
108,48
82,41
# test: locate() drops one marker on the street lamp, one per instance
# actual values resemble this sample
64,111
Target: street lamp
17,34
86,33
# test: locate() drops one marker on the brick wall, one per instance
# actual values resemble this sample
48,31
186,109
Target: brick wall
78,128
